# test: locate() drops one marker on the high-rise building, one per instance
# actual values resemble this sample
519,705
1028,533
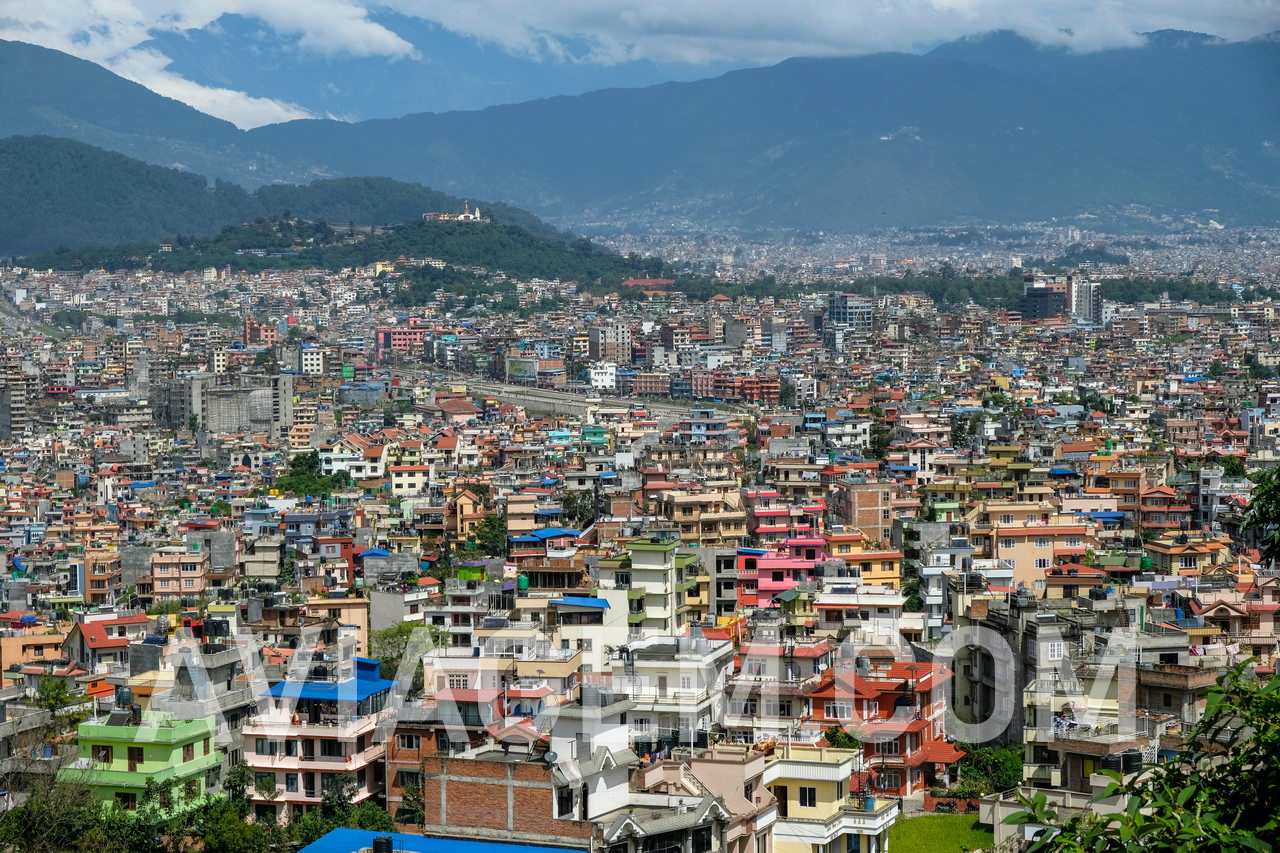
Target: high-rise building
851,310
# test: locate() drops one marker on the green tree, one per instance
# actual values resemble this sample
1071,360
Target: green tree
1232,466
220,509
880,439
1264,511
224,830
1215,794
236,786
1217,368
491,535
838,738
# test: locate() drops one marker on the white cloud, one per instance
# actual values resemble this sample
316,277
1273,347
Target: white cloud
150,68
109,31
767,30
602,31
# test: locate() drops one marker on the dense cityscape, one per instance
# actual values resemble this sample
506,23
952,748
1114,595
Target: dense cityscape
777,553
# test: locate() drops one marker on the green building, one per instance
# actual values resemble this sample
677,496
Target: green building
118,756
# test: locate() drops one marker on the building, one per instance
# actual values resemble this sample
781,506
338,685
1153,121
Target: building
120,755
319,726
850,310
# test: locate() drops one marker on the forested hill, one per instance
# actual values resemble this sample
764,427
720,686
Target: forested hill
58,192
279,243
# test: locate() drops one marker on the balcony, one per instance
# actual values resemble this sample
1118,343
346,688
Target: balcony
1042,774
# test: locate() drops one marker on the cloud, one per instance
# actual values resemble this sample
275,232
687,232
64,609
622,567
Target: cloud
110,32
150,68
767,31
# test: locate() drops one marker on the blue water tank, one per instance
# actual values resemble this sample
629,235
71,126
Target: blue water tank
1177,613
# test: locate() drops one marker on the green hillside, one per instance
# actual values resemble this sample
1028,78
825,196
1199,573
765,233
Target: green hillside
61,193
278,243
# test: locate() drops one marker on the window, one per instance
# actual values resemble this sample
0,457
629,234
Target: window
135,758
188,752
564,802
291,748
808,797
1187,562
129,802
1073,542
1054,651
192,788
458,681
1042,562
265,747
754,666
838,711
1042,542
291,783
206,746
890,781
1006,543
686,682
1168,700
1005,518
102,754
409,742
887,747
408,779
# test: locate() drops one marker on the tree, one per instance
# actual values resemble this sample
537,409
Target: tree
1214,794
1264,510
880,439
1217,368
1232,466
53,696
838,738
959,431
491,535
220,509
236,786
225,831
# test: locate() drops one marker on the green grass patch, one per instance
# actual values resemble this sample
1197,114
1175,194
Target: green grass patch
944,833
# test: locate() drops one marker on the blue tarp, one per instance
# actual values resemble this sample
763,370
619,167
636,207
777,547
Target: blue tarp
343,840
353,689
1106,516
374,552
1063,472
577,601
553,532
549,510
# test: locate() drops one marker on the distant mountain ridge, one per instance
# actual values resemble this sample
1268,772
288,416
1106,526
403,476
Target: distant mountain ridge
989,129
59,192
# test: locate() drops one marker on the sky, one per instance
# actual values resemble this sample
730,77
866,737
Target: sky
119,34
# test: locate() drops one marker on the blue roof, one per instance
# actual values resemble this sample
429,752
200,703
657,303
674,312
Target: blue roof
553,532
903,468
374,552
1063,472
549,510
353,689
343,840
579,601
1106,516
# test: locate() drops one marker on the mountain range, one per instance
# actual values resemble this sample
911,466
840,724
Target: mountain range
989,129
447,72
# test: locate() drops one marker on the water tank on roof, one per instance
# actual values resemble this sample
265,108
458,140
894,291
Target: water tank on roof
1145,564
1131,760
1112,762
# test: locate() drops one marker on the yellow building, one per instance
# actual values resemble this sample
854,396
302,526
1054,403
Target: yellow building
824,804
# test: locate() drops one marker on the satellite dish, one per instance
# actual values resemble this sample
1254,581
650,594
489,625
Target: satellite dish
551,758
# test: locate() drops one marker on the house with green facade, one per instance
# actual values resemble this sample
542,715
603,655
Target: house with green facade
118,756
